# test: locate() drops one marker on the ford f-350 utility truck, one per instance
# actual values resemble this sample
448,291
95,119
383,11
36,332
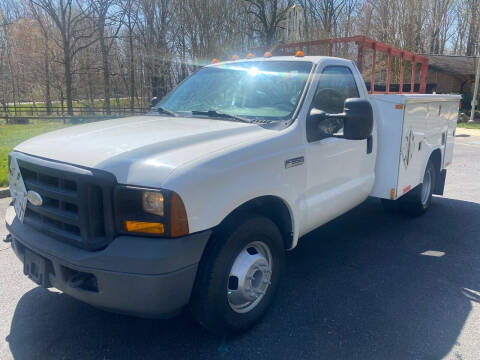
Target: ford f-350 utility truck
196,202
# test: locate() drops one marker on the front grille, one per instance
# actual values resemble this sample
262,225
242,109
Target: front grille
76,204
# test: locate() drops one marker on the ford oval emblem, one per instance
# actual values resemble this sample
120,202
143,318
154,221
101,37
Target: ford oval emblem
34,198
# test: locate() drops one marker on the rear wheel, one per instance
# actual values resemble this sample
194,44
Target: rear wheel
238,275
418,200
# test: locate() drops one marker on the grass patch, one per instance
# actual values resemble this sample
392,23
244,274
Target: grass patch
474,125
12,135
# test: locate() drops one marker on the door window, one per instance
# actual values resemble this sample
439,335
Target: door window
336,84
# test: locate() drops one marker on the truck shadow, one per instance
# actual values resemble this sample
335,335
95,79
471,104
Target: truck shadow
367,285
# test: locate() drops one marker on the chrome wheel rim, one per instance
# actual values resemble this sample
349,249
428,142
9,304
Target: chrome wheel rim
426,186
249,277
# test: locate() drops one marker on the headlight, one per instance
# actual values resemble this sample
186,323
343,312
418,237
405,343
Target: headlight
149,211
152,202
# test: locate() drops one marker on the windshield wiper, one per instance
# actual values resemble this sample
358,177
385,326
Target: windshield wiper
216,114
165,111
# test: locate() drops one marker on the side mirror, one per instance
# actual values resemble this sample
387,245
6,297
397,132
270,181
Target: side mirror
154,101
358,119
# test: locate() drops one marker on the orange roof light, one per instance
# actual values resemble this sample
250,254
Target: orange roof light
215,60
235,57
250,56
267,54
299,53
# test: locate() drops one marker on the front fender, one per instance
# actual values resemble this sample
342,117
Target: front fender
217,186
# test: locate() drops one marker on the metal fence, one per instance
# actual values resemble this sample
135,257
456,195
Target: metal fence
28,113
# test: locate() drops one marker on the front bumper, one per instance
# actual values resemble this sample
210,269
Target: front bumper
140,276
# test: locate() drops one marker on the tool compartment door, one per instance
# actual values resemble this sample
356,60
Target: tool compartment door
413,149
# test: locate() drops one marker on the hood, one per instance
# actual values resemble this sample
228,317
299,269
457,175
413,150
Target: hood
141,149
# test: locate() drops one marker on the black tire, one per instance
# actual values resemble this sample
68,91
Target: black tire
209,303
417,201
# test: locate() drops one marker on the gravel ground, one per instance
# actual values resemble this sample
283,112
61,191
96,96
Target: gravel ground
368,285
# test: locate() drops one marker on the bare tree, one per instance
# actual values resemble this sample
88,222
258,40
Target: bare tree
42,19
440,11
91,49
270,14
75,34
108,21
130,10
473,26
327,12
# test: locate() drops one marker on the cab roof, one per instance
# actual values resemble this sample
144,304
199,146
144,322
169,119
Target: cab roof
313,59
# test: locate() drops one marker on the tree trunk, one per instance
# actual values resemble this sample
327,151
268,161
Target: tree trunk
131,70
62,101
106,76
68,79
48,98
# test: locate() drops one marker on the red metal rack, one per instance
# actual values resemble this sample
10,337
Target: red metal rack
363,43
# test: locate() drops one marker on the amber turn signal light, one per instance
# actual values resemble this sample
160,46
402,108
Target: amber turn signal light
144,227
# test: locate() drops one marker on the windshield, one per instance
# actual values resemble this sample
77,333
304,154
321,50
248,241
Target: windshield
264,90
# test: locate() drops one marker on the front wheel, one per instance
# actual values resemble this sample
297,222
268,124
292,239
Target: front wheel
238,275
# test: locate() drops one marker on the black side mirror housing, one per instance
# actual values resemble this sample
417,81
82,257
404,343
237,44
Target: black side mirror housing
313,120
358,119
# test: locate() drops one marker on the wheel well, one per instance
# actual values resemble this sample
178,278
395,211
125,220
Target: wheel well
273,208
436,158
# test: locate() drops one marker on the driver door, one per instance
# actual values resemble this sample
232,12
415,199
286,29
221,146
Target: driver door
340,172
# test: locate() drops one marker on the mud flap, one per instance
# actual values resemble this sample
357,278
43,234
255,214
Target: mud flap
440,183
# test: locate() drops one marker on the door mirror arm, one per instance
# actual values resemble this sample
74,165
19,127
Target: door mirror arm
314,119
155,100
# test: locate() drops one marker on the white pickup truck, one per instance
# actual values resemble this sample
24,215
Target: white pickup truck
196,202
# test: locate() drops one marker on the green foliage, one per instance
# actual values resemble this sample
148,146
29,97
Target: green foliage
474,125
12,135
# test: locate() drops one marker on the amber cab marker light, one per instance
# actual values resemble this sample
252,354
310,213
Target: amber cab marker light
399,106
215,60
144,227
250,56
392,194
299,53
267,54
235,57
